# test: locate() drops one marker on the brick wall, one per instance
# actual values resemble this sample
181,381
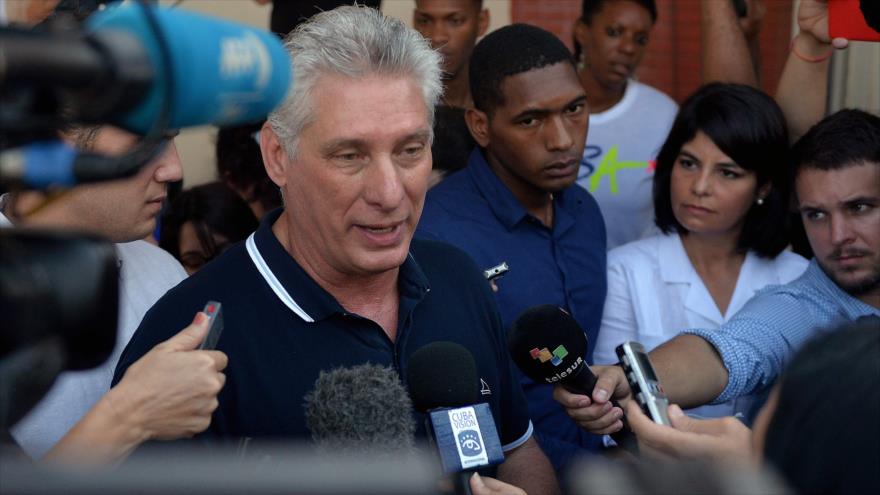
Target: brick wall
672,63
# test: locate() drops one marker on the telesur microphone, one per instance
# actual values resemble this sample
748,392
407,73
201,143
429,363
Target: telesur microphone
549,346
364,408
443,383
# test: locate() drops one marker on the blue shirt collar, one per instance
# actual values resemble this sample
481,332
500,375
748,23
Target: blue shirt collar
506,207
300,292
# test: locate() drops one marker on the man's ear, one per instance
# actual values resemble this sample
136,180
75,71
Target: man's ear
275,157
482,22
478,123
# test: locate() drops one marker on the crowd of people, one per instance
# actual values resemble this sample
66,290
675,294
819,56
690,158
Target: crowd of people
354,224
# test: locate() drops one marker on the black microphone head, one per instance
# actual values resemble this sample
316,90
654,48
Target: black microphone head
362,408
547,344
442,374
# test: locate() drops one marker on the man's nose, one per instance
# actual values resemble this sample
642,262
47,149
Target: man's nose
841,233
383,184
169,168
557,134
439,35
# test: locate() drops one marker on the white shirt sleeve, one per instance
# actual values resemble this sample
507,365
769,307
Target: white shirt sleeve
619,322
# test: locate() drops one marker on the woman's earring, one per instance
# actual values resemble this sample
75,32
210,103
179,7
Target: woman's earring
760,201
582,62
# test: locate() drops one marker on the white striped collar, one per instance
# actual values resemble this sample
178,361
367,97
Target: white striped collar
273,281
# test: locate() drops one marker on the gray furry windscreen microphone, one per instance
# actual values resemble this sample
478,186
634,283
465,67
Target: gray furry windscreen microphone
364,408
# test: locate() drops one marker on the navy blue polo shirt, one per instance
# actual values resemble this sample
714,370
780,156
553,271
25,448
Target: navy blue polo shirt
563,265
282,329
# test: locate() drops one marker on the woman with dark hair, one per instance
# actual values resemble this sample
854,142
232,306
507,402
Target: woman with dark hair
721,201
204,221
628,120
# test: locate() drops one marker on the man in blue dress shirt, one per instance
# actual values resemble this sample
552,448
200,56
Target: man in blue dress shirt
837,182
517,202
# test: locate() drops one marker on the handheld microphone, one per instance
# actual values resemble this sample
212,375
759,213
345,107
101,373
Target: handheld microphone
549,346
364,408
443,383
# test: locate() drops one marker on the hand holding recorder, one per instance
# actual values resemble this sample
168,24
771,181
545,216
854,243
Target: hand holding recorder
170,393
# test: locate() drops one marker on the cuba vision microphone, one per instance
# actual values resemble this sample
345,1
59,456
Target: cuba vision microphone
444,385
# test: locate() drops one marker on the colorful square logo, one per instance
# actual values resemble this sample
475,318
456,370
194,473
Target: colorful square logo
545,355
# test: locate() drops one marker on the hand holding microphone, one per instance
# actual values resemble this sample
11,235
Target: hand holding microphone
549,346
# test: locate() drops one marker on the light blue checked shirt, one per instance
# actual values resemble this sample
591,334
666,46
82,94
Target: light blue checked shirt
759,340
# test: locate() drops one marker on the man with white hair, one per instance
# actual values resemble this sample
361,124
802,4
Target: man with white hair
335,278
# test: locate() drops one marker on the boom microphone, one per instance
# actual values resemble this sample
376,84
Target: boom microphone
549,346
135,67
223,73
443,383
364,408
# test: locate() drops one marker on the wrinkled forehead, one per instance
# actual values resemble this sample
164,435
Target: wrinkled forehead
374,107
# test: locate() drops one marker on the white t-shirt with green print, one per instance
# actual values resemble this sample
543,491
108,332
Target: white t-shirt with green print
618,163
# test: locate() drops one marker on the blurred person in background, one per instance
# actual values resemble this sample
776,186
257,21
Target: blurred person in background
240,167
204,221
453,27
629,120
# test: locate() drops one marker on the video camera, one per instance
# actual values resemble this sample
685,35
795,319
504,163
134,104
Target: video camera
140,67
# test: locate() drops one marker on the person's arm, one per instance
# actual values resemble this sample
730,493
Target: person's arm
725,53
169,393
803,87
528,468
688,366
690,369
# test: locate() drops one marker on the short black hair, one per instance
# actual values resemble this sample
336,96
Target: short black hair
212,208
844,138
838,371
508,51
240,163
748,126
590,7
